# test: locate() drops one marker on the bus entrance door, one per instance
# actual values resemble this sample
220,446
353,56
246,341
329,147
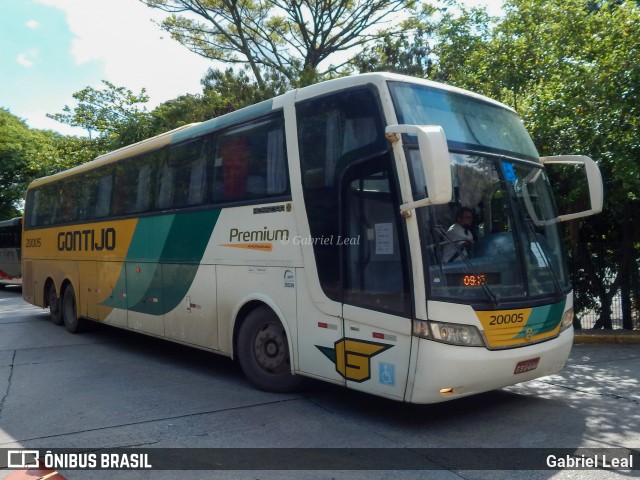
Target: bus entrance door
376,311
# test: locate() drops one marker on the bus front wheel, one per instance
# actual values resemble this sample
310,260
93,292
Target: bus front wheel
70,311
263,352
54,305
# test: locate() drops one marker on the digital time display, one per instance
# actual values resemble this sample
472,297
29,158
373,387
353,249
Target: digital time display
473,280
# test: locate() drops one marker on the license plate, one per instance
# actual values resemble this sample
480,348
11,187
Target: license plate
527,365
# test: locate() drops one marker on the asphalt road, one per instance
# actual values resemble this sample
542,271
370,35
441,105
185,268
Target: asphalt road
110,388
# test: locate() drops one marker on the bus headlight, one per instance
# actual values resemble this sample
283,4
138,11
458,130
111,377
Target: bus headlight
567,320
452,333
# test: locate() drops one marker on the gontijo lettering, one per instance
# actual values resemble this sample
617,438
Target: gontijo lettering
87,240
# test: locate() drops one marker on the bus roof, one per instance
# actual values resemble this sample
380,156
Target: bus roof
11,223
194,130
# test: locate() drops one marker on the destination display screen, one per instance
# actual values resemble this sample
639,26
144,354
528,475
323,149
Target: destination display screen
472,280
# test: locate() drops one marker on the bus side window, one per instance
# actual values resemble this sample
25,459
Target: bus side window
184,174
43,206
234,167
334,132
250,162
103,197
70,198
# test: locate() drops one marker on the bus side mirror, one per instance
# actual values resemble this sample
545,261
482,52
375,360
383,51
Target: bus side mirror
430,169
594,182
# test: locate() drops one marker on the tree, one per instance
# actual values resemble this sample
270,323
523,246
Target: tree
222,92
572,69
113,111
408,53
27,154
15,149
294,38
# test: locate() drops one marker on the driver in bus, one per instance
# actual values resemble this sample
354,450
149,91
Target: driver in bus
460,234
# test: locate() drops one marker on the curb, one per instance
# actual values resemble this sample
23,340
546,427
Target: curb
606,336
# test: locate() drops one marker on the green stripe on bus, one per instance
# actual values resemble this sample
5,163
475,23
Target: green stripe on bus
163,260
543,319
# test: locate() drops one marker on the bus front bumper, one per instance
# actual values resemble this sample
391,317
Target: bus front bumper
445,372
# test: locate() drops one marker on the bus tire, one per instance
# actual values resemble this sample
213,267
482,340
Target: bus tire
55,309
263,352
70,311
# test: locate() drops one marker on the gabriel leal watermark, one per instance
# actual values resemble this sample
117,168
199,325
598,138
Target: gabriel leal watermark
329,240
590,461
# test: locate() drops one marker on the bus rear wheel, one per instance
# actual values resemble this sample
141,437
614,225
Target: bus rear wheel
54,305
263,352
70,312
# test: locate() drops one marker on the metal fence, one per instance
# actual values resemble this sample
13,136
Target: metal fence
589,317
610,267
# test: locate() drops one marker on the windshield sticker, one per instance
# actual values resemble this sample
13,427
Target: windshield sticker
509,172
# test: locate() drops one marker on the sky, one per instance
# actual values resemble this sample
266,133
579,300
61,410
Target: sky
50,49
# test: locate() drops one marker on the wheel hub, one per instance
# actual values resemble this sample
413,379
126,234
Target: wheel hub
271,349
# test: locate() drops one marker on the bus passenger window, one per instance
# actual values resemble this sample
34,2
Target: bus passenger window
68,209
183,175
250,162
103,199
234,167
45,206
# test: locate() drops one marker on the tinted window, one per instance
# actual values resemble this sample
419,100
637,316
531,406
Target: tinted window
335,130
345,164
183,174
242,163
250,162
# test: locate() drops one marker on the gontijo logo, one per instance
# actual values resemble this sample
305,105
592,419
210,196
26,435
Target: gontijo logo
353,357
87,240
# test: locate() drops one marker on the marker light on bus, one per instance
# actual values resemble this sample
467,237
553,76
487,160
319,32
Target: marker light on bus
567,320
452,333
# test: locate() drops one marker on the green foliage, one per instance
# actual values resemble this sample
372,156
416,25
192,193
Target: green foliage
112,111
296,39
27,154
16,147
237,89
572,69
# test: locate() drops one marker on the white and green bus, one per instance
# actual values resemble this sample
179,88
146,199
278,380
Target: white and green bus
305,236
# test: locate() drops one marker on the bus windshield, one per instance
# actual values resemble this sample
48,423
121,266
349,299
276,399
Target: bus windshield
497,241
468,122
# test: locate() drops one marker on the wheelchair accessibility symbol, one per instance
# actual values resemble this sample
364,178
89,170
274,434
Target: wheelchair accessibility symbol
387,373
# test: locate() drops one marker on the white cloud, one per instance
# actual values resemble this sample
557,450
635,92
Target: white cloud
27,59
121,35
32,24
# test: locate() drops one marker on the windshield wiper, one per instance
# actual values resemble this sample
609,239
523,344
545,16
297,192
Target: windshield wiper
492,296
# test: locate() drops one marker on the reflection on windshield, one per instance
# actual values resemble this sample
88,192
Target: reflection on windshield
468,122
496,241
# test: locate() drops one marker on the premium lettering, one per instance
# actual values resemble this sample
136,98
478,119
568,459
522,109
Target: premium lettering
87,240
264,235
